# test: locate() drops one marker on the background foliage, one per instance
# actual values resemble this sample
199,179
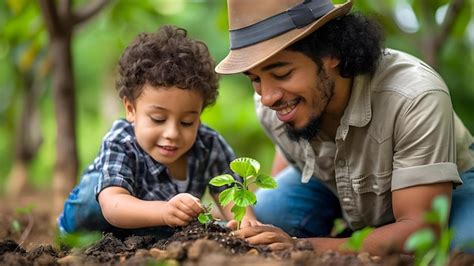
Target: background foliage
98,44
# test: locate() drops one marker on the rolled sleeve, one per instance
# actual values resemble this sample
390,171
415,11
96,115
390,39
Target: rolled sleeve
424,144
425,174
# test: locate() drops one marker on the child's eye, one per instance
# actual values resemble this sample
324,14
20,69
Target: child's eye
187,124
157,120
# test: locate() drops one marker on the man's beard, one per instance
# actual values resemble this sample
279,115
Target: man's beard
308,132
312,128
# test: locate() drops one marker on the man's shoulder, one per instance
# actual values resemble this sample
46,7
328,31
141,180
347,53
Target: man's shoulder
406,75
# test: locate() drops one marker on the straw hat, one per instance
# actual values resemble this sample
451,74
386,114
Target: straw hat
261,28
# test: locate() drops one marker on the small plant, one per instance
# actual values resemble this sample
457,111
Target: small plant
356,241
239,193
16,225
205,217
339,225
78,240
427,248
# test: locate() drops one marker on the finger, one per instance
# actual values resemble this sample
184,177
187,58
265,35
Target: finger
251,231
279,246
183,207
193,204
182,216
255,223
232,224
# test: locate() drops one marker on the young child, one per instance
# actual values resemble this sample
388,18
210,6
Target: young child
153,167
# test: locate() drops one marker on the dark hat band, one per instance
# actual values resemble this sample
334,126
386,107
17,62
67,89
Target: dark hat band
293,18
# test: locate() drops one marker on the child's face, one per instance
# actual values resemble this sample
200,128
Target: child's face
166,121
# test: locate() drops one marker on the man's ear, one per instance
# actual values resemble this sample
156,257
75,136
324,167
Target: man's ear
331,62
129,110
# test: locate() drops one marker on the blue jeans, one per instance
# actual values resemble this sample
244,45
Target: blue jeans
309,210
82,212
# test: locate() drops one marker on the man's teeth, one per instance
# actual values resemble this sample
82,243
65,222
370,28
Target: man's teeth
285,110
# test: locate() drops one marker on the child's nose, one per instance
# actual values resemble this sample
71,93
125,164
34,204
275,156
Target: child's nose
171,132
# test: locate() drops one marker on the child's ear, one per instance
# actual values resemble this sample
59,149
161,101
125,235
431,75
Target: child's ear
129,110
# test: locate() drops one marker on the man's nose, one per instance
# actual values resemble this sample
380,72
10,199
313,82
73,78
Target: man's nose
270,94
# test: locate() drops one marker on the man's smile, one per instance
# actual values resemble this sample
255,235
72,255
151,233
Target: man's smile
286,110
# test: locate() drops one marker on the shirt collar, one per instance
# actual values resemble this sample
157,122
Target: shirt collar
358,111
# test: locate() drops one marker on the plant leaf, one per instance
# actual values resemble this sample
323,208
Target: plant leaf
16,226
222,180
204,218
244,198
227,196
420,241
356,241
239,212
245,166
441,206
265,181
338,227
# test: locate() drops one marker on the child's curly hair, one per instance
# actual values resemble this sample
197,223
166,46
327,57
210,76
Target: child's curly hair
167,58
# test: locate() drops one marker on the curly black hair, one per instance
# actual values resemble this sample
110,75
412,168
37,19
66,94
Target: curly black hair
354,39
167,58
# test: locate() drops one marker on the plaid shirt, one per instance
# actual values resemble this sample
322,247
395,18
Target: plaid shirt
122,162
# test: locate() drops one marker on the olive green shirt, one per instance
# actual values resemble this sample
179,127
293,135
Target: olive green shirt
398,130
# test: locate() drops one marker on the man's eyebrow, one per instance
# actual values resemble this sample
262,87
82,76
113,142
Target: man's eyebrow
274,65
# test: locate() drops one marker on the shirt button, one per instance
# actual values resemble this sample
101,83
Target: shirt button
346,199
375,186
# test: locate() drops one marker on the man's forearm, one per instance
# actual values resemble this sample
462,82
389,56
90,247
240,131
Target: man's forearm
386,238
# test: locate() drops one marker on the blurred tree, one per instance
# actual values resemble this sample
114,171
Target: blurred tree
29,67
61,20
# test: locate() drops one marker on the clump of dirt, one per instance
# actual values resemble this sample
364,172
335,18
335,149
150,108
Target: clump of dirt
194,244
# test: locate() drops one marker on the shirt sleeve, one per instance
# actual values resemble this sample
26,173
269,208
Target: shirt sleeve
424,143
116,167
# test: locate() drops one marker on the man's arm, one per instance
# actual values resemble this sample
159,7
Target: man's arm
123,210
409,206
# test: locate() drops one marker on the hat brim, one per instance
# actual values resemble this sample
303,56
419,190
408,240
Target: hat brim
243,59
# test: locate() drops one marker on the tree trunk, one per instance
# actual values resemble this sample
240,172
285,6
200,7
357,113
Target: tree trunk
28,137
66,165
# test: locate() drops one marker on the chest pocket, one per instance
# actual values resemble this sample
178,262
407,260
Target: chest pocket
372,183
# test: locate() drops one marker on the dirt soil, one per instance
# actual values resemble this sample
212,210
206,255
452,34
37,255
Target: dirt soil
194,244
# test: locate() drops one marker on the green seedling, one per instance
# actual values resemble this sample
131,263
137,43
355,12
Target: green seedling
356,242
428,248
338,227
205,217
16,225
239,193
78,240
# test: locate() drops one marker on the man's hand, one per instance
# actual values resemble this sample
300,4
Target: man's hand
269,235
246,222
181,209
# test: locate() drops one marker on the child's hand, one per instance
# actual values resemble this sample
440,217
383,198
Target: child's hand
181,209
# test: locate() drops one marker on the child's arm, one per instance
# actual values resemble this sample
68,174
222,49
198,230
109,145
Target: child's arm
123,210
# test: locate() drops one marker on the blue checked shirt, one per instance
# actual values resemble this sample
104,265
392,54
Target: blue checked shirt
121,162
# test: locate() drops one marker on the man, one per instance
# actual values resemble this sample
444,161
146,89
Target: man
361,132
